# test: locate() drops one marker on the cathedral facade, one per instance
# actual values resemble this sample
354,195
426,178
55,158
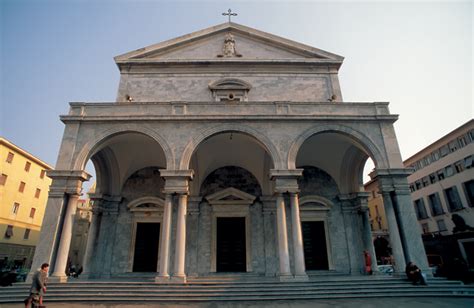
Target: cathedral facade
228,150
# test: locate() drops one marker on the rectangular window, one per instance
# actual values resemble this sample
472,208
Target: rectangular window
441,225
419,165
453,145
10,157
468,162
27,234
463,141
420,209
27,166
435,155
3,179
435,204
37,193
449,171
22,187
469,190
9,231
32,212
444,150
471,134
426,228
425,181
42,174
418,184
440,174
459,166
433,178
452,197
412,188
16,208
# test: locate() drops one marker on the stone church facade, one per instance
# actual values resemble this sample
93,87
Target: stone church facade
228,150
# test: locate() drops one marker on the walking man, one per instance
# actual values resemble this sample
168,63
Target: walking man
38,286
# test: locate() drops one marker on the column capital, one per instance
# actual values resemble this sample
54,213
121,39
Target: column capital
286,180
176,181
66,181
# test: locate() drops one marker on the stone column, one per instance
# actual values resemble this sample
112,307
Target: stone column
59,273
285,182
180,250
366,230
282,237
176,181
409,228
165,237
65,182
350,213
110,231
91,240
297,236
394,234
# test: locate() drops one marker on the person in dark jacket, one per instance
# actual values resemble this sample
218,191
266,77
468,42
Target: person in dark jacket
38,285
414,274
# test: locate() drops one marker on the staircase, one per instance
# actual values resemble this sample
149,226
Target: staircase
231,289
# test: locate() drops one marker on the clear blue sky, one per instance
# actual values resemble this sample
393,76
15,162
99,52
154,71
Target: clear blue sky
416,55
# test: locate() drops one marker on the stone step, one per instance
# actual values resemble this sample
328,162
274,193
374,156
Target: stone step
103,291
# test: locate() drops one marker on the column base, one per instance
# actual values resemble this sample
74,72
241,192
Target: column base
285,277
302,277
162,279
177,279
58,279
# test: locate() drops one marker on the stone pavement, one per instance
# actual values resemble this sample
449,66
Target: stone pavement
415,302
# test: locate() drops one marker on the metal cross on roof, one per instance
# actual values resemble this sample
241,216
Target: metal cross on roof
229,13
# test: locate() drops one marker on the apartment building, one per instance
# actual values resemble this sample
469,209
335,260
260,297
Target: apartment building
23,195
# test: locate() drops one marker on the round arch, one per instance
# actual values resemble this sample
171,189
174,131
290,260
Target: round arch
259,137
379,159
92,145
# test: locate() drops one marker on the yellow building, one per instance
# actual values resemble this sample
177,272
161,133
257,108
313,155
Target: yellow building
378,222
23,195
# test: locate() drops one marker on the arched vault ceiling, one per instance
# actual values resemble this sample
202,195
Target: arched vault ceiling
134,151
230,149
327,151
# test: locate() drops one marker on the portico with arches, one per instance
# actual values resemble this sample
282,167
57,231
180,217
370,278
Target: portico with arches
247,164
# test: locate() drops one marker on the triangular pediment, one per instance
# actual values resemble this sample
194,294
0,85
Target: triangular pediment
146,204
228,41
230,195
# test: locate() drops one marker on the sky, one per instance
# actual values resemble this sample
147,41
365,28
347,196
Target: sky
416,55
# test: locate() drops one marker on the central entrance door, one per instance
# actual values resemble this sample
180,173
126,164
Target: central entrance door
230,250
314,242
146,247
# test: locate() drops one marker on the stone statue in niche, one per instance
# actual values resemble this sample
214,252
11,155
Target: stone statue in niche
229,47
